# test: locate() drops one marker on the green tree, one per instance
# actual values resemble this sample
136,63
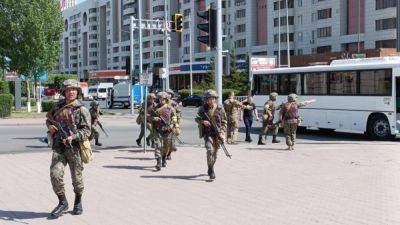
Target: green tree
237,79
208,82
32,41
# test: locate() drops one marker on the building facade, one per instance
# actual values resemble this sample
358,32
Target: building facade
96,35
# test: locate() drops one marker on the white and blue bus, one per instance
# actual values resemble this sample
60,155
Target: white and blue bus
353,95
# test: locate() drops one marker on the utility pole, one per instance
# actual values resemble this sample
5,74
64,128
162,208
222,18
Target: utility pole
140,47
279,33
287,33
218,75
166,44
190,51
358,27
132,67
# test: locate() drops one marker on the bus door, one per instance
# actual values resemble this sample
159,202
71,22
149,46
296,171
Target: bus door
397,97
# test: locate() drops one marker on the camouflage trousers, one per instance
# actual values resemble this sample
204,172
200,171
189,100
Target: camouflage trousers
231,133
290,133
267,127
163,145
58,164
212,147
95,132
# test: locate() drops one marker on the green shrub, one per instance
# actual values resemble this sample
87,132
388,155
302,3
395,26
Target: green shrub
24,101
47,105
6,103
186,92
4,87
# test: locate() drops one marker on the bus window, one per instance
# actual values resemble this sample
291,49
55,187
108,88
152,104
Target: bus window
265,84
102,90
343,83
315,84
375,82
295,84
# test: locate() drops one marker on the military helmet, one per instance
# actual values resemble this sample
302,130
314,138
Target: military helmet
162,94
171,92
151,96
292,97
273,95
94,104
71,83
210,94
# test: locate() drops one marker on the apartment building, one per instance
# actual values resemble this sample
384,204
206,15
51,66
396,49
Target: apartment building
96,35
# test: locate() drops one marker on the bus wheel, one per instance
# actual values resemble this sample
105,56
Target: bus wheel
379,127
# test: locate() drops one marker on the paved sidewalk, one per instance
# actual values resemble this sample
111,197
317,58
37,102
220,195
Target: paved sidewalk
347,183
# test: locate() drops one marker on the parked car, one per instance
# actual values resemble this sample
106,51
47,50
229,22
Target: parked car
193,100
49,92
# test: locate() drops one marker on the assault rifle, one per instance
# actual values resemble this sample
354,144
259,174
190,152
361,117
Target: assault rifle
169,124
62,136
220,140
102,128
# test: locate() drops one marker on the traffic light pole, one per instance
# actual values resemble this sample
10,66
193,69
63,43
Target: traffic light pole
140,47
218,75
132,68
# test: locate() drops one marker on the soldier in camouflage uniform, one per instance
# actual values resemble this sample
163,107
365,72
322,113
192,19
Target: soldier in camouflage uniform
231,106
140,119
174,105
95,114
291,119
163,119
74,118
217,114
268,119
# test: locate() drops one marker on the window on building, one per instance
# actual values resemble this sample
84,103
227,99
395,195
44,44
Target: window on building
385,24
383,4
240,28
299,3
240,43
324,14
324,49
385,43
300,19
240,13
324,32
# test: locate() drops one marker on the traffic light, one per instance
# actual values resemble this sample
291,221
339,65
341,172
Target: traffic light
210,26
177,23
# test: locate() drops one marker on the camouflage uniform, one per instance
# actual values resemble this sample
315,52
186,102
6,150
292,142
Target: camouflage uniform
211,139
268,119
231,108
290,118
162,129
174,105
75,119
95,114
140,120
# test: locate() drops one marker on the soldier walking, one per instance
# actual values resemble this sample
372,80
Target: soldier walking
163,119
140,119
95,114
208,114
231,106
175,105
268,119
69,123
291,119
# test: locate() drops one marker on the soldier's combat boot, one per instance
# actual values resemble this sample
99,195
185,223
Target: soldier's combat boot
260,142
138,142
60,208
274,140
148,141
97,142
158,165
212,173
77,205
164,161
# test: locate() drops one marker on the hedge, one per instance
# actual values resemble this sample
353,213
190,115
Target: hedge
47,105
24,101
4,87
6,103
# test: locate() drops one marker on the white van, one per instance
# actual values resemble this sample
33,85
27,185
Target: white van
92,92
119,95
100,91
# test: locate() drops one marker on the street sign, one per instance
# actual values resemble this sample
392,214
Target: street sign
163,73
146,79
260,63
358,56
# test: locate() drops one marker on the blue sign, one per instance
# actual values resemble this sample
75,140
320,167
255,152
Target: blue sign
137,93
